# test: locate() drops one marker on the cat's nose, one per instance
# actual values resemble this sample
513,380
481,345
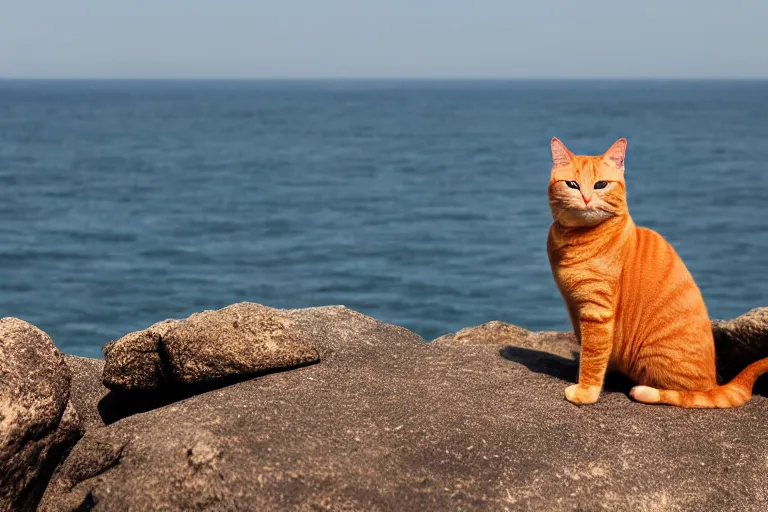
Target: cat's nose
587,199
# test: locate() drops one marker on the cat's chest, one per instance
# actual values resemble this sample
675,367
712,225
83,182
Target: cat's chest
581,280
582,268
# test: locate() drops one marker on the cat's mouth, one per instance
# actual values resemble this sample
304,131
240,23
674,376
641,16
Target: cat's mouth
582,217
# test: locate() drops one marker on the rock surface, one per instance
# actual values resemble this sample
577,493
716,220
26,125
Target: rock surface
38,425
387,422
240,340
87,391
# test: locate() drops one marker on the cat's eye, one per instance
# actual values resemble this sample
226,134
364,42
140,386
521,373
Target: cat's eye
601,184
572,184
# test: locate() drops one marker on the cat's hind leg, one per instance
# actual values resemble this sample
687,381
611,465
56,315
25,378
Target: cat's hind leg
735,393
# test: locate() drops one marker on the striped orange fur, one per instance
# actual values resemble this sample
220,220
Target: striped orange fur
632,302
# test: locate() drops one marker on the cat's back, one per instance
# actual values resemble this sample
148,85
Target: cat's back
653,244
653,265
657,288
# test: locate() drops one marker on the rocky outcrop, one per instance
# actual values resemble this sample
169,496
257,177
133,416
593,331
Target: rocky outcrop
219,459
738,342
474,421
38,424
240,340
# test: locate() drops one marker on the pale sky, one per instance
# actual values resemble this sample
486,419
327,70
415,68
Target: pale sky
383,39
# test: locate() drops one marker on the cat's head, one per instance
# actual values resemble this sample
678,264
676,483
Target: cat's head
586,190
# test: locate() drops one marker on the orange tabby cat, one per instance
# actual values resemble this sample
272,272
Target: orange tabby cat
632,302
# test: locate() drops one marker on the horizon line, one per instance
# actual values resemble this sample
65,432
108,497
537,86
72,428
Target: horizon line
385,79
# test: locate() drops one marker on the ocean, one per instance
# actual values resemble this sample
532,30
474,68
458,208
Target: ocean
421,203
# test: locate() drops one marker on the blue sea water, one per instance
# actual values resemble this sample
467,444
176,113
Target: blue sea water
421,203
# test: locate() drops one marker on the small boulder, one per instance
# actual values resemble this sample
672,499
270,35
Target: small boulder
502,334
740,342
38,425
212,346
133,363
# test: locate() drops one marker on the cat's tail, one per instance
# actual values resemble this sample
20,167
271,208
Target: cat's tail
735,393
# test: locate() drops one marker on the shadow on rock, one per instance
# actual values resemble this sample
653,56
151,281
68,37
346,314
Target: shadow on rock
542,362
560,367
117,405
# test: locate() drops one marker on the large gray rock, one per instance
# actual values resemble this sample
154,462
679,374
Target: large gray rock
38,425
240,340
388,422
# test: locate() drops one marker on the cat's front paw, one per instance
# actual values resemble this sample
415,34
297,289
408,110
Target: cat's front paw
581,395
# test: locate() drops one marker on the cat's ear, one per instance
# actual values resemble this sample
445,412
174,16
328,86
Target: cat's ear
615,154
561,155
